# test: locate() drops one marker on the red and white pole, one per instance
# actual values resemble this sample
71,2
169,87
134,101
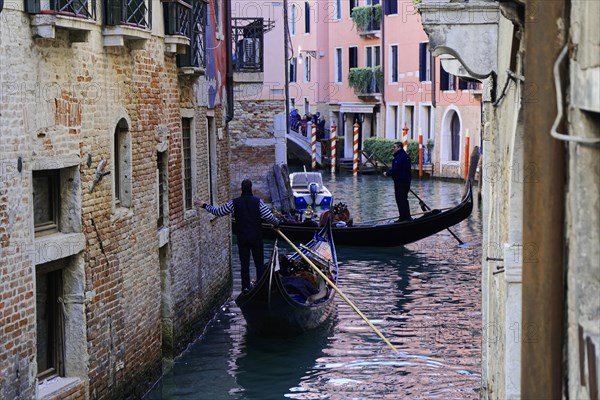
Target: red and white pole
420,153
333,146
355,154
313,144
405,138
467,139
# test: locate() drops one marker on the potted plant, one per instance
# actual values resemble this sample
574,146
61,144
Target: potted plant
366,80
367,18
360,79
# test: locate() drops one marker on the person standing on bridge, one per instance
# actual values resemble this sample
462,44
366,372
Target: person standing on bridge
248,210
401,173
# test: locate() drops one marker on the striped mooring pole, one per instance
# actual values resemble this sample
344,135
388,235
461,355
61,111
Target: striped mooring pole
355,154
467,139
313,146
333,145
405,138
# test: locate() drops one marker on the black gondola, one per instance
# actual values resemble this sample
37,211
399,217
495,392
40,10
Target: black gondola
384,234
279,304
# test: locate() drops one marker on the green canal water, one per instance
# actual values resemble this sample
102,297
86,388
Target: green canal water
424,297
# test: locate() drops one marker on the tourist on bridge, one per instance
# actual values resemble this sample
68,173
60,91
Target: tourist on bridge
248,210
401,173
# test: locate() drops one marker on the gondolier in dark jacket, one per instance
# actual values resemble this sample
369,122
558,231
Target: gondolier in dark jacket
249,211
401,173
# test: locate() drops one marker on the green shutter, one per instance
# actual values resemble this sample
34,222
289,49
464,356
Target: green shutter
32,6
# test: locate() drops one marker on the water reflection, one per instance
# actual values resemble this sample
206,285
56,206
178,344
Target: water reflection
265,368
424,297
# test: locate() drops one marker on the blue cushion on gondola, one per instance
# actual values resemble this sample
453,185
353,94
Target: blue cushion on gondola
298,287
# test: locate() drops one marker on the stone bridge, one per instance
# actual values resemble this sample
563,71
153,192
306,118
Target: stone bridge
299,146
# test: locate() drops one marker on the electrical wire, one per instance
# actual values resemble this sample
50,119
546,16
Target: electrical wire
559,105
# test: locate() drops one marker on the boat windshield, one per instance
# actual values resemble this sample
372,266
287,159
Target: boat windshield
302,179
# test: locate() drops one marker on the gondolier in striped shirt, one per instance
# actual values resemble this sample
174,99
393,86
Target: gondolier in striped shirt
249,212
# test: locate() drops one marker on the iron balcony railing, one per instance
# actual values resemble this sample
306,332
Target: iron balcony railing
71,8
136,13
248,44
177,14
196,31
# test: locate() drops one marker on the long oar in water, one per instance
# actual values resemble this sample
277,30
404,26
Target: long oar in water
342,295
397,216
425,207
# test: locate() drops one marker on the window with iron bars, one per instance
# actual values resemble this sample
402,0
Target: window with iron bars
196,31
134,13
71,8
177,15
248,42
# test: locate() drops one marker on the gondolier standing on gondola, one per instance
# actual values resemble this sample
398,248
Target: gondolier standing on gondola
249,211
401,173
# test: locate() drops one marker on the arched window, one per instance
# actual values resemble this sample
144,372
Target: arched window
455,137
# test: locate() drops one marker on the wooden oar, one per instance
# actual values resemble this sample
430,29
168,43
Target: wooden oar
425,207
396,217
342,295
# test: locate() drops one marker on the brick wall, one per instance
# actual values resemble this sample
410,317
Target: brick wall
17,304
253,144
63,100
200,244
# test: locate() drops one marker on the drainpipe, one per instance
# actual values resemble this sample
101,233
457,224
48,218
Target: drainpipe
286,87
383,69
433,80
229,64
543,320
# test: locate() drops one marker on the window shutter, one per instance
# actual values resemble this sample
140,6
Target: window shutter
462,84
391,7
444,79
353,57
113,12
306,17
32,6
422,62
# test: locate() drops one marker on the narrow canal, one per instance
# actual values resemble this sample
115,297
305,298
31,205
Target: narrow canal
425,298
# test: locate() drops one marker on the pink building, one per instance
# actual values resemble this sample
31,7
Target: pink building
368,62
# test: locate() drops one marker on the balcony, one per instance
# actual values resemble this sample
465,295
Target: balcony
76,16
367,20
127,21
248,48
193,61
366,82
177,15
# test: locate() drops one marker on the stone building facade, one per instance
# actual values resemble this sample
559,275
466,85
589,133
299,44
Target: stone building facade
106,139
258,132
540,70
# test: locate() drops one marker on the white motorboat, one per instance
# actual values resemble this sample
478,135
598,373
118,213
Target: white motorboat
309,190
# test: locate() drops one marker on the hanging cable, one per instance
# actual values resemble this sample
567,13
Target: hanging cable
511,77
559,101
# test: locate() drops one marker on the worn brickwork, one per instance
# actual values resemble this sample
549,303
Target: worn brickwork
253,144
17,305
200,244
60,104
